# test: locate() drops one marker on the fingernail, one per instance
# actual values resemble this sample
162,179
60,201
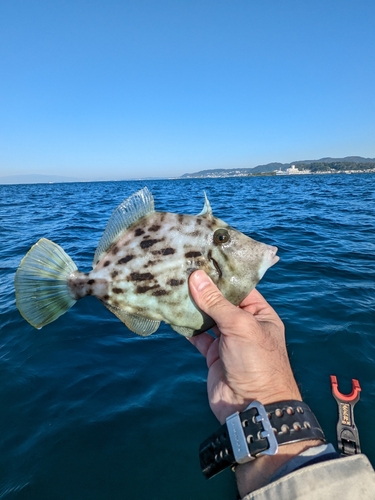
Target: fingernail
200,280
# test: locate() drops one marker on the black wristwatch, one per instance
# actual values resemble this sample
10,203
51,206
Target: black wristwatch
258,430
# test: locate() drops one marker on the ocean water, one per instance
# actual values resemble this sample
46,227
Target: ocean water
89,410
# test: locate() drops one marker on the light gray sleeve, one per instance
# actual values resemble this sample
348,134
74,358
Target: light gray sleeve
344,478
306,456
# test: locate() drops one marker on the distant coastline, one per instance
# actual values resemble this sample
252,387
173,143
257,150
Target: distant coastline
37,179
347,165
59,179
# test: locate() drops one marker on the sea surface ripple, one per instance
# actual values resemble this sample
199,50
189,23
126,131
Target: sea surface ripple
89,410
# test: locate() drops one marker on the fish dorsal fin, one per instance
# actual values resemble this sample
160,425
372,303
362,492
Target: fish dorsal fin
129,211
207,210
137,324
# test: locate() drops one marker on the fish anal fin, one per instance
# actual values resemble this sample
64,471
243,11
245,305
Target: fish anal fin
127,213
137,324
140,325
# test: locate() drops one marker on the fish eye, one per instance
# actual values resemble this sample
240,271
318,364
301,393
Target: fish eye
221,236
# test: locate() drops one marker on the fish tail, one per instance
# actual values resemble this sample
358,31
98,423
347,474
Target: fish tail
42,283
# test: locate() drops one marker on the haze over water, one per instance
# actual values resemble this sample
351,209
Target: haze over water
91,410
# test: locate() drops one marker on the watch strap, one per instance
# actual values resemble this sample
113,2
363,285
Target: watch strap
258,430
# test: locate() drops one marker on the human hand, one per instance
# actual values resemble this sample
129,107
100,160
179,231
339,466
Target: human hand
248,359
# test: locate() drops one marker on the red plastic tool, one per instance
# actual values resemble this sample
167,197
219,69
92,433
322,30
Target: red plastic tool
347,432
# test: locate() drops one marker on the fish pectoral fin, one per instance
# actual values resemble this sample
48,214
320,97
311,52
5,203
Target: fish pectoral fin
127,213
137,324
183,330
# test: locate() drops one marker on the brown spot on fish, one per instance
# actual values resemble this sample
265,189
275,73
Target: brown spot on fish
106,297
126,259
151,263
158,293
91,282
193,254
117,290
146,237
180,219
138,232
195,234
172,303
154,228
106,263
149,243
144,289
167,251
174,282
199,221
141,276
89,292
114,274
164,251
115,249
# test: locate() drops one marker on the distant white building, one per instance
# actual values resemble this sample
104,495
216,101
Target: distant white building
293,170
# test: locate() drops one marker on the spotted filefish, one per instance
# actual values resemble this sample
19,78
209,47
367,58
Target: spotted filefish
141,268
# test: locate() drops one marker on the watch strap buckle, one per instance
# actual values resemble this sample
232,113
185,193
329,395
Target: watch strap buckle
268,431
238,438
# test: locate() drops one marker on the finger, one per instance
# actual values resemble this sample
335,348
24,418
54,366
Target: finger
209,298
202,342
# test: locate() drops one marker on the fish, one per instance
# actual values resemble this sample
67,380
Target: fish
141,268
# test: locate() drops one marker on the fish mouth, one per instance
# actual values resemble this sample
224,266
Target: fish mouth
269,259
274,258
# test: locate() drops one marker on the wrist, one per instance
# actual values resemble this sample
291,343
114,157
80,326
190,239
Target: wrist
267,436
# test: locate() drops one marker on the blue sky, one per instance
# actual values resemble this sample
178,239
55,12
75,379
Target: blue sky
121,89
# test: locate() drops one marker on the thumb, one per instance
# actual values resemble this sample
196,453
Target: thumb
209,298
